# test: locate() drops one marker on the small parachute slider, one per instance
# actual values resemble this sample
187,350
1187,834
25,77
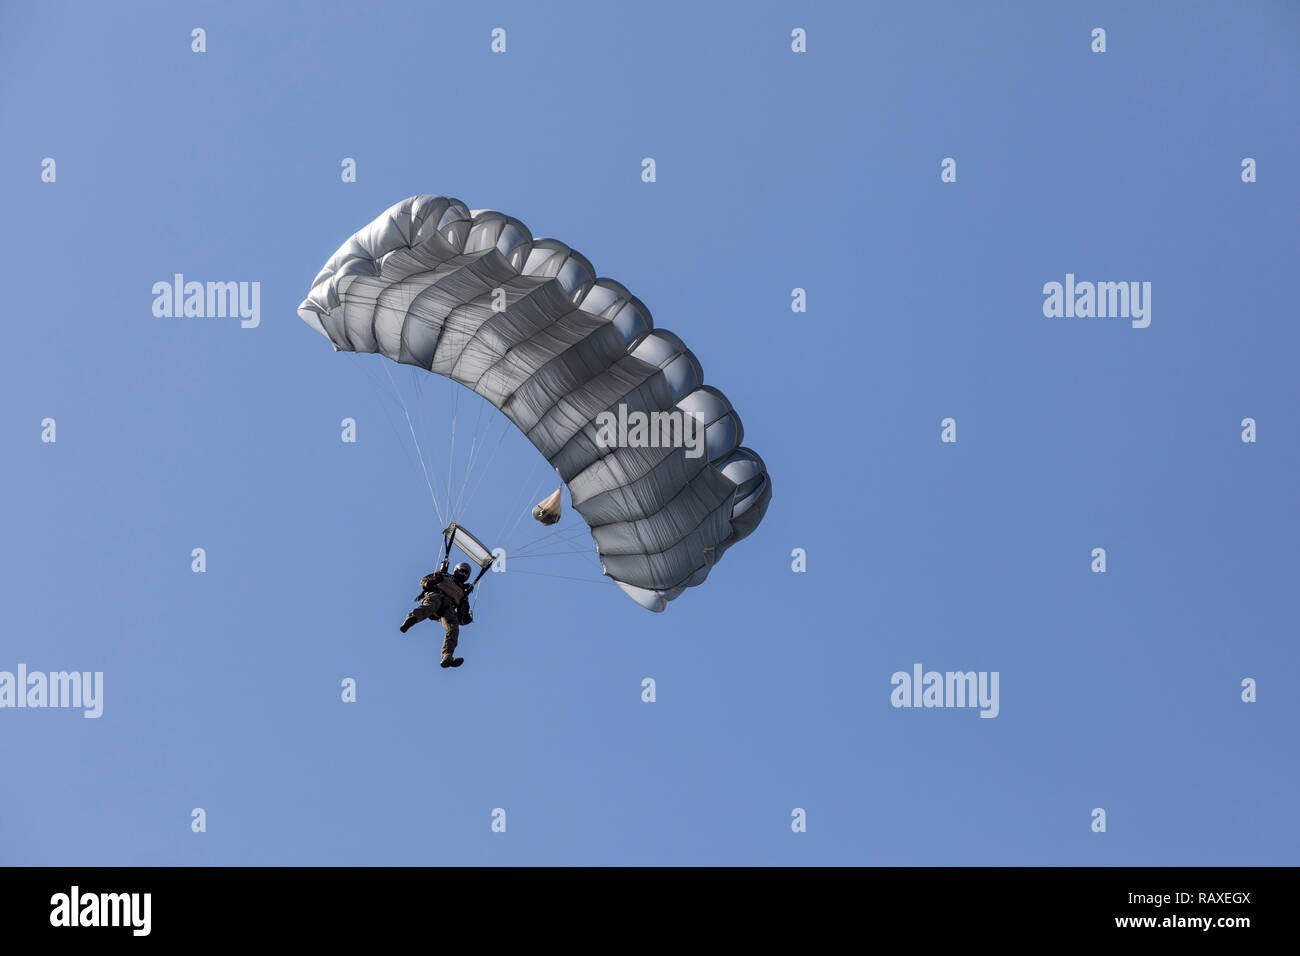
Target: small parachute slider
548,509
474,549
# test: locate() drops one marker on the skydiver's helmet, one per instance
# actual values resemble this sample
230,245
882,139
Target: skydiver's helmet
461,573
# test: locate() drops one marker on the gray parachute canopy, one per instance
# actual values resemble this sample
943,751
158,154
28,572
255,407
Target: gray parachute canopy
526,324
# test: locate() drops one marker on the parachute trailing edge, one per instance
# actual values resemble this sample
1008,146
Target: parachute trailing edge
526,323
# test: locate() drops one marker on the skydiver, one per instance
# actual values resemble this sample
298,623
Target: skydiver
444,597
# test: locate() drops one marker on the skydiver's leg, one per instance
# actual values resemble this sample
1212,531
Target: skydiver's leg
429,607
452,627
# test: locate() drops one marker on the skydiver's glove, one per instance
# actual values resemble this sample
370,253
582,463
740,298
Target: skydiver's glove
469,588
444,566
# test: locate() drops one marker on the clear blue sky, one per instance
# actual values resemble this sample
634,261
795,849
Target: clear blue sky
775,171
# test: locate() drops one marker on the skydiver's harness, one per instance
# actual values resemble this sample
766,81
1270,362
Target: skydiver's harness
466,616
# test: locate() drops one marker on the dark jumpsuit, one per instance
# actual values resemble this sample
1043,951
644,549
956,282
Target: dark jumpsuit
440,595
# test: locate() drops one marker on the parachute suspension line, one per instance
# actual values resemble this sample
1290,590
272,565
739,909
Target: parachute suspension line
566,577
521,500
375,386
419,451
551,535
548,554
563,536
451,463
431,419
559,537
567,536
487,467
525,510
383,405
564,552
460,493
421,410
475,449
582,548
477,577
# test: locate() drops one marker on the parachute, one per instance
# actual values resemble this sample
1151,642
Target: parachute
526,324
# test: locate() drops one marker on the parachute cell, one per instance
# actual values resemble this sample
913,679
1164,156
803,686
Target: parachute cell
527,324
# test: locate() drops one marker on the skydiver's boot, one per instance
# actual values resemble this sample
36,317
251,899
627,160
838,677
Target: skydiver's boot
407,624
452,661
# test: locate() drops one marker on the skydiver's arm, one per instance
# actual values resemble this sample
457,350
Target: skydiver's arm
428,583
